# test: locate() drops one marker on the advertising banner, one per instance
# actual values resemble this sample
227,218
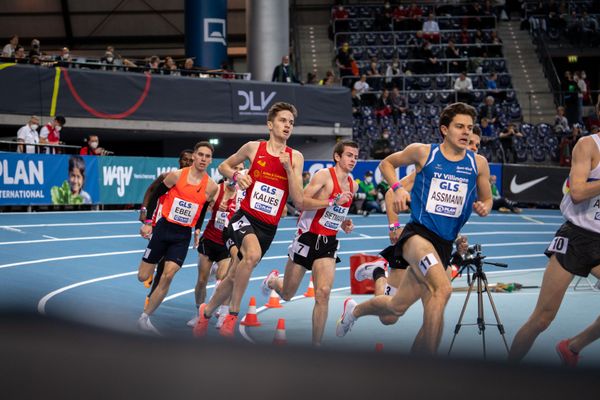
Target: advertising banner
534,184
35,179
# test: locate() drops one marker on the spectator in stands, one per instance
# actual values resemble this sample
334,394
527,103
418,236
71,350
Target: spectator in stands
311,78
567,144
393,73
65,56
454,53
169,67
587,95
506,140
415,13
28,135
35,48
356,103
488,133
399,104
9,50
91,148
501,203
367,187
108,58
489,110
464,88
399,18
494,45
383,108
570,91
284,72
153,64
431,29
383,20
561,124
329,79
416,43
50,133
491,84
361,86
343,60
340,19
374,68
590,29
464,36
382,146
20,54
432,65
574,28
582,88
189,69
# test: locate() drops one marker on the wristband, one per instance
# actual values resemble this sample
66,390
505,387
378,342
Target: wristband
396,186
148,222
143,209
395,226
234,178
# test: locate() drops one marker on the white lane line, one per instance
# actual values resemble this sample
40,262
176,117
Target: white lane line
532,220
365,236
11,229
54,239
78,224
73,257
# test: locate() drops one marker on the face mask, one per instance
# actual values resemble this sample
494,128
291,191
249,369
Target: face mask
93,145
58,128
66,55
369,179
109,59
34,126
386,137
394,65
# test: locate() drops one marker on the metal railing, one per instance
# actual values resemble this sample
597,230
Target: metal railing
46,148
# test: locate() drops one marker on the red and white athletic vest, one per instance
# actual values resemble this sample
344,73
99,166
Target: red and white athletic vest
219,220
53,134
184,202
326,221
268,193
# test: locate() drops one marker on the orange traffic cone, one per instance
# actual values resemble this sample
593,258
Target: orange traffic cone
273,300
378,347
454,273
251,318
280,338
310,292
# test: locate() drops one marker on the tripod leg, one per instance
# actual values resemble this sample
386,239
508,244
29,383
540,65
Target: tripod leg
498,323
480,318
460,318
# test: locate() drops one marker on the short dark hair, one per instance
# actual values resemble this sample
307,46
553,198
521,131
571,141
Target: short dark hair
281,106
204,143
477,130
454,109
60,119
339,147
185,151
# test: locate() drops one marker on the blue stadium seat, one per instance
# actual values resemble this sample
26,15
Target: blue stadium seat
504,81
387,53
544,130
372,52
353,25
445,97
442,82
414,98
429,97
515,112
425,83
527,129
500,65
538,153
370,39
385,38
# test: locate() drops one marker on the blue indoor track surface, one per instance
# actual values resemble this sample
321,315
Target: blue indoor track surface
82,266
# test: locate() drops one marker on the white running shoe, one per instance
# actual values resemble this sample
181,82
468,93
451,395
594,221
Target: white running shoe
344,324
223,313
365,271
212,275
192,322
145,325
266,290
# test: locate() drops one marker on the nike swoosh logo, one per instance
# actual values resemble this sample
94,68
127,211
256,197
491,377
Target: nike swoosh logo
520,187
242,232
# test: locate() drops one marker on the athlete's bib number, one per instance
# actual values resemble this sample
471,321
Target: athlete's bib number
300,248
559,245
266,198
333,217
221,220
593,211
241,223
446,197
183,212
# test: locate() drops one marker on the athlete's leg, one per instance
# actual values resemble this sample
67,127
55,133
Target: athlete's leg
204,265
554,285
223,267
287,286
252,254
145,270
223,291
162,289
323,275
160,268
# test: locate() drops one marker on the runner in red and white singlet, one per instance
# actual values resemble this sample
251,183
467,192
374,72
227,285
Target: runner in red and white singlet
327,199
275,173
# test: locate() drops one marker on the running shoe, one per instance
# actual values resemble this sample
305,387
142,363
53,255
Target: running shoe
264,287
192,322
228,328
202,324
223,313
365,271
145,325
344,324
568,357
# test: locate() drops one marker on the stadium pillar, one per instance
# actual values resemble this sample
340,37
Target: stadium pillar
206,32
267,36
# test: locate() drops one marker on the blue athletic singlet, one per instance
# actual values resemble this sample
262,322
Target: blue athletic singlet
443,194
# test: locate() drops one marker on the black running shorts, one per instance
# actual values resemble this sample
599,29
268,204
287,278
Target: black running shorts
242,224
576,249
170,241
214,251
308,247
443,247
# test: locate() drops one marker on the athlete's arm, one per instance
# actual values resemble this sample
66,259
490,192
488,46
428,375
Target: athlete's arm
483,205
348,226
158,191
211,190
226,168
146,199
294,173
581,164
415,153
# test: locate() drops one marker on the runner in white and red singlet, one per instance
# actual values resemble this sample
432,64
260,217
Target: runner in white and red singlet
327,199
275,173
